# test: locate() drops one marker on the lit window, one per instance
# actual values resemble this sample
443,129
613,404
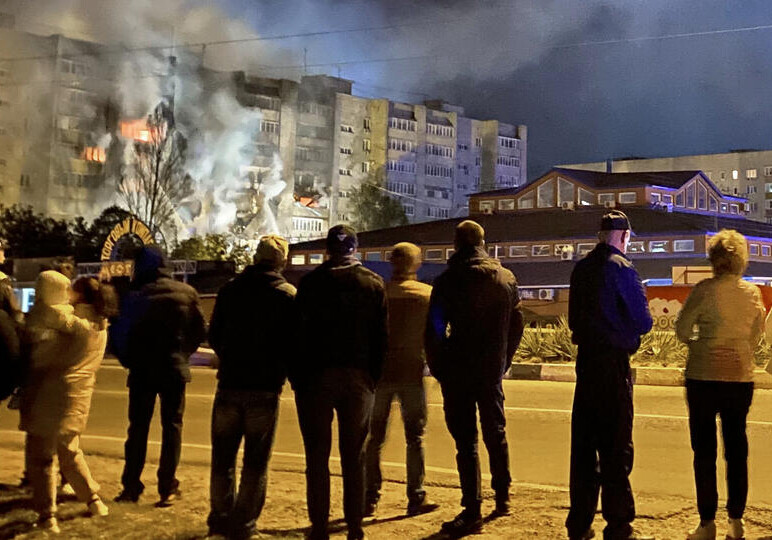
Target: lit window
546,194
636,247
628,198
493,251
735,175
604,198
584,249
315,258
586,198
366,145
563,248
766,250
751,173
655,198
724,208
658,246
518,251
541,250
298,260
449,253
433,255
565,191
373,256
734,209
667,199
683,245
527,200
486,207
691,199
506,204
753,249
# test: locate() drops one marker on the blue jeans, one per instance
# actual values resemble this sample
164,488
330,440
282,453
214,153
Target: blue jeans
238,414
412,401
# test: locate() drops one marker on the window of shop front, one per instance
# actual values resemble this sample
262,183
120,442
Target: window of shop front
565,191
546,194
433,255
527,201
683,245
315,258
518,251
584,249
506,204
753,249
636,247
628,198
658,246
542,250
586,198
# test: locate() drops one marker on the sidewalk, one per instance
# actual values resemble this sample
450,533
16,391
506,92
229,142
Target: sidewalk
538,511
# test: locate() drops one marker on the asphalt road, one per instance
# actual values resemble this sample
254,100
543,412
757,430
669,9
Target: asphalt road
538,420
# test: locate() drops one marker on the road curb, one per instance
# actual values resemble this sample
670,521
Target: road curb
642,376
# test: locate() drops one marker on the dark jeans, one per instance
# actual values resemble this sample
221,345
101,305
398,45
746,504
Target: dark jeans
412,400
602,443
141,405
730,400
461,401
238,414
349,392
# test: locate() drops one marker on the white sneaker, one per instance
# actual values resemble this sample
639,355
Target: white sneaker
736,529
98,508
66,490
706,530
50,525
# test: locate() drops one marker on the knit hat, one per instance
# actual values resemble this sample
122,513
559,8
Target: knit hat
405,258
469,234
52,288
271,251
341,240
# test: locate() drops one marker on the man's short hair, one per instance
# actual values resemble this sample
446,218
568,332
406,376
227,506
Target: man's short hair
614,221
405,258
271,251
341,240
469,234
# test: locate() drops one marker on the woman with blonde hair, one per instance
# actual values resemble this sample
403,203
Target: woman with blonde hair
721,322
66,345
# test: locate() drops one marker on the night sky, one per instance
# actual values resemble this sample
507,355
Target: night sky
538,63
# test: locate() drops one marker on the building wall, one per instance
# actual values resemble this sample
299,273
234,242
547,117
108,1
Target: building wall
743,174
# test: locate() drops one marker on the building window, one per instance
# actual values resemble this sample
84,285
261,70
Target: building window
724,208
629,197
315,258
586,198
527,201
767,171
768,188
679,199
655,198
563,248
433,255
344,172
298,260
436,212
318,109
267,126
508,142
667,198
346,128
493,251
518,251
691,199
401,145
753,249
365,166
751,173
402,124
683,245
542,250
766,251
436,129
749,190
373,256
735,175
347,151
478,142
438,170
366,145
478,160
508,161
734,209
24,180
401,166
546,194
604,198
506,204
658,246
565,191
439,150
366,124
409,209
702,197
486,207
401,187
636,247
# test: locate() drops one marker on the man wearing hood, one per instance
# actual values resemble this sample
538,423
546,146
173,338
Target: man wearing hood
251,327
343,318
402,379
159,327
474,327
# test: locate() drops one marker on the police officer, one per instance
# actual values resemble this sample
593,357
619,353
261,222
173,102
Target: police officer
607,313
474,327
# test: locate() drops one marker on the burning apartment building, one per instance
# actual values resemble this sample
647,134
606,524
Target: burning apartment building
257,154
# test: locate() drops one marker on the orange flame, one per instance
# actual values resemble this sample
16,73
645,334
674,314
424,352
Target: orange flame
94,153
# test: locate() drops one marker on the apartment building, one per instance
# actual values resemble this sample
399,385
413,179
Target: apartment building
741,173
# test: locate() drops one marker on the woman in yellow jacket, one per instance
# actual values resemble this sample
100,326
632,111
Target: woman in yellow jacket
66,345
721,322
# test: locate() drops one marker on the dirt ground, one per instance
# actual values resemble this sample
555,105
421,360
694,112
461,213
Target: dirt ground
538,511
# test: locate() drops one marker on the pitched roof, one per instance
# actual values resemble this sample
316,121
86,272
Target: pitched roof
552,224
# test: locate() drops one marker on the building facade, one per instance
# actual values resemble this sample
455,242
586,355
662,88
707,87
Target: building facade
743,173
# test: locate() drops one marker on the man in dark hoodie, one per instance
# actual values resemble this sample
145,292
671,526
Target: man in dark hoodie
251,326
474,327
343,324
607,312
159,327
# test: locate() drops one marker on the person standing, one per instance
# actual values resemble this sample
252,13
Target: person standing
3,275
159,327
343,322
408,304
473,330
607,313
728,314
66,345
250,331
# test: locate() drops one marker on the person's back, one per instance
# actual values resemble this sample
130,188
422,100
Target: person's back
408,302
251,329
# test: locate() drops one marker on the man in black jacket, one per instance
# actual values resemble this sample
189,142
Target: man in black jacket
160,326
607,312
250,331
474,327
343,324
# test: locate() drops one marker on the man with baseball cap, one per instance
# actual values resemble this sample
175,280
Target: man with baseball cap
251,329
607,313
342,327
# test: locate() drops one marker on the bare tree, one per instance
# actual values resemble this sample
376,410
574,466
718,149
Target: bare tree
154,181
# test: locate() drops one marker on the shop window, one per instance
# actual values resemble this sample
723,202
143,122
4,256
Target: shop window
683,245
658,246
541,250
546,194
518,251
506,204
433,255
527,200
315,258
636,247
628,198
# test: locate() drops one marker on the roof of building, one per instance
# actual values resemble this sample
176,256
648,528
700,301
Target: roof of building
603,180
551,224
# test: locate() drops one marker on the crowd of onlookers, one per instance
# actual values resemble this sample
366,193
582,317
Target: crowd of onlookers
350,344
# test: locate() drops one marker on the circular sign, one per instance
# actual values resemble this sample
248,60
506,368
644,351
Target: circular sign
129,226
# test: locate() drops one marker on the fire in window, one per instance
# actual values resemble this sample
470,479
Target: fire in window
94,153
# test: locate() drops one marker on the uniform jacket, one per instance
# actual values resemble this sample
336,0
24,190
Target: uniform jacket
251,330
66,347
161,324
408,302
475,321
607,304
342,321
729,317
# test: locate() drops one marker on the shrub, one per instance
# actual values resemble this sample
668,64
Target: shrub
533,345
661,347
560,345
